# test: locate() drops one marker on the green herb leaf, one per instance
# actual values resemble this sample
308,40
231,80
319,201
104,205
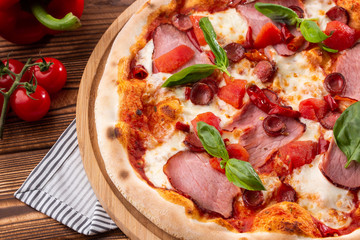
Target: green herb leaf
311,32
243,175
277,13
190,74
210,36
212,141
326,48
240,173
346,133
223,163
199,71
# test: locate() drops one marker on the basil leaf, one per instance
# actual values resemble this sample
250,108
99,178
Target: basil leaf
277,13
212,141
347,133
326,48
210,36
311,32
190,74
243,175
223,163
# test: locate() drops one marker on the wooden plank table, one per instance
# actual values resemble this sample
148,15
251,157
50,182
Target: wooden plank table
25,144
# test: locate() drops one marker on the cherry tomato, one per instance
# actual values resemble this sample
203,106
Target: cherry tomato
52,79
15,66
29,109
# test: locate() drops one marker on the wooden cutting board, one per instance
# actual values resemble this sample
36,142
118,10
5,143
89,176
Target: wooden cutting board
127,218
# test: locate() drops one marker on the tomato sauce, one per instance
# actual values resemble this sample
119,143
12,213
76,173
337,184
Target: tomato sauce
327,231
243,217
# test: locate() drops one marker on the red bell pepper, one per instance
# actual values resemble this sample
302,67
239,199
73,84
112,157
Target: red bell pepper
174,59
215,163
233,93
313,109
25,22
269,35
209,118
197,30
298,153
237,151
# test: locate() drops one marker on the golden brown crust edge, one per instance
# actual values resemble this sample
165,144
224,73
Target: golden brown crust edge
353,7
165,214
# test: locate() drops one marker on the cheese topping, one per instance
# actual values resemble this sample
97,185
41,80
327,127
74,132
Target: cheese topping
144,56
312,132
317,9
325,201
217,107
296,79
156,158
229,25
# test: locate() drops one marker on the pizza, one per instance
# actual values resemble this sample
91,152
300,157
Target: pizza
236,119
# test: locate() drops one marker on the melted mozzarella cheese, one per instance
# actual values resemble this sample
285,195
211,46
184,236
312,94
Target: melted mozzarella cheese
218,107
144,56
317,9
245,70
328,135
156,158
154,89
229,25
325,201
271,183
297,80
155,81
312,132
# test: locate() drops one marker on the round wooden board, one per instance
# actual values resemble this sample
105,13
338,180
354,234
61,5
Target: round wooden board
127,218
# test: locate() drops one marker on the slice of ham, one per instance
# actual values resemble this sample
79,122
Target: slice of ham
254,139
333,167
348,65
257,20
192,175
166,37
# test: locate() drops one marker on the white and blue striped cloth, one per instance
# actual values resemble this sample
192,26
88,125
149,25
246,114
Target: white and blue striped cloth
59,188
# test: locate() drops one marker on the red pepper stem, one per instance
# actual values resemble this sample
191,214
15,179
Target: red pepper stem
69,22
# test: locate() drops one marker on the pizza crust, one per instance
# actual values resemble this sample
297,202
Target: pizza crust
353,7
167,215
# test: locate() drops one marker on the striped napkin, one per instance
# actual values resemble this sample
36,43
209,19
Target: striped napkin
59,188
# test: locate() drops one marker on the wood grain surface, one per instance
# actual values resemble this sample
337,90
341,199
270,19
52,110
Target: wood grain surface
131,221
25,144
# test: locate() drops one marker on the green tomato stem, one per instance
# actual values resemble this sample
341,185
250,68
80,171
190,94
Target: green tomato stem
3,114
7,94
69,22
